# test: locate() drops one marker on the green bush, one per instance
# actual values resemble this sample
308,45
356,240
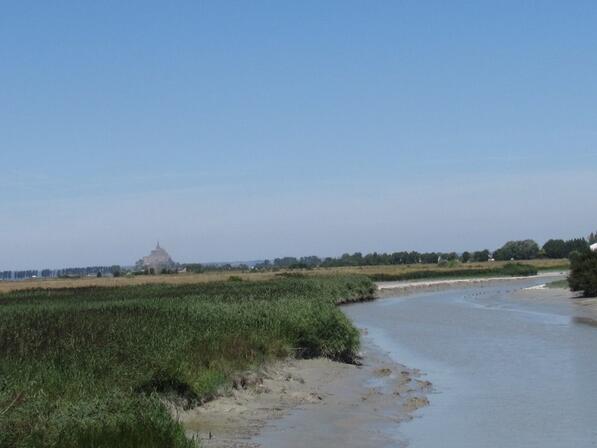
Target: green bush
583,273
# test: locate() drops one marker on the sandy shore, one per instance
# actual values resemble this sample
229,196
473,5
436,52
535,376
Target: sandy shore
321,400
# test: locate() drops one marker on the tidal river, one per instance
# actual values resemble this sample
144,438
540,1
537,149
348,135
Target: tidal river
510,367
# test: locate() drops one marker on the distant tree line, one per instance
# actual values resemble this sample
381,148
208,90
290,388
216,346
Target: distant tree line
88,271
198,268
114,270
373,259
529,249
512,250
563,249
18,275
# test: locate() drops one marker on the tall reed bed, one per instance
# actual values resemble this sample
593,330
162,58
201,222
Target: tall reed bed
89,367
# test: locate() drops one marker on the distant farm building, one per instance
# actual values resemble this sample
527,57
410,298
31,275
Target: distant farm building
157,261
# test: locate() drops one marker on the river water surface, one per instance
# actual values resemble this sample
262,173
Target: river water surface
510,368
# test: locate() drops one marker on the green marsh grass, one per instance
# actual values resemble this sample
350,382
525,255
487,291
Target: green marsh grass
89,367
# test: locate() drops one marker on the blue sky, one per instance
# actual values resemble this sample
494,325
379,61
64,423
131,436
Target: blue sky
245,130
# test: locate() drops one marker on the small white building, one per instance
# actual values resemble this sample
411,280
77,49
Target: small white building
594,247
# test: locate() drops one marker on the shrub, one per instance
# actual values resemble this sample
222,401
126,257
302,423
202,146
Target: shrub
583,273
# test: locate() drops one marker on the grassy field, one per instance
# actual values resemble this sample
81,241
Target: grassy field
89,367
183,279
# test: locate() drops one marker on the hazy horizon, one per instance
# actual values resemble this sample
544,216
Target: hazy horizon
235,131
482,223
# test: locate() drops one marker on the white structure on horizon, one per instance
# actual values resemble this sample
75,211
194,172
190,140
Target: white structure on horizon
594,247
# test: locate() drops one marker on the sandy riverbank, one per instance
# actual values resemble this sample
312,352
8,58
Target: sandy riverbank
334,399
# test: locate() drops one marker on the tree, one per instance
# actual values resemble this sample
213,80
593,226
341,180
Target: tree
450,256
285,262
578,244
482,255
593,238
555,249
562,249
312,260
517,250
583,272
466,256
